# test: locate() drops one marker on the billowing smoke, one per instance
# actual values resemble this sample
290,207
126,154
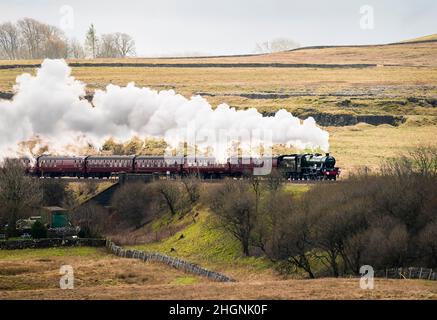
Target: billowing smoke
50,107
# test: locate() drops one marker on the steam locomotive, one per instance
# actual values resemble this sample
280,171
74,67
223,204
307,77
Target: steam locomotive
293,166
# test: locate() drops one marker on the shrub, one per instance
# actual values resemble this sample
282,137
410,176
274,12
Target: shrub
38,230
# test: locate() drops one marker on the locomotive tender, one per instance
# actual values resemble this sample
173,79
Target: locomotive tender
293,166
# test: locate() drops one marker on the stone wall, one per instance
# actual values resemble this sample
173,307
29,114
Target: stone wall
50,243
170,261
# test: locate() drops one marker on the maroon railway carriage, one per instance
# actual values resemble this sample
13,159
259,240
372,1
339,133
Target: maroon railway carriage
105,166
57,166
240,166
158,164
207,167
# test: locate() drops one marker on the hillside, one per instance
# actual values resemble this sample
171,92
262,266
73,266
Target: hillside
99,275
414,52
396,91
431,37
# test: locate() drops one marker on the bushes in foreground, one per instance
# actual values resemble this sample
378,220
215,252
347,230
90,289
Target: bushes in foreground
383,220
136,203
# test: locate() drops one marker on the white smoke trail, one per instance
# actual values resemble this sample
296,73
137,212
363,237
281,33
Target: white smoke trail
50,105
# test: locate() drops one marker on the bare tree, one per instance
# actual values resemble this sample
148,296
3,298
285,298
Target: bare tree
294,242
20,195
31,39
133,202
234,204
172,196
92,41
428,244
91,218
32,34
55,43
108,46
124,44
9,40
75,49
276,45
55,192
116,45
192,187
425,160
42,40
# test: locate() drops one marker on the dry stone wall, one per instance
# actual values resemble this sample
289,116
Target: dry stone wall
170,261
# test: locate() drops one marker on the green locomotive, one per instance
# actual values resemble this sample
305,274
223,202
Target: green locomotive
308,166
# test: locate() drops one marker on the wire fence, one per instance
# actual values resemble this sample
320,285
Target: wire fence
407,273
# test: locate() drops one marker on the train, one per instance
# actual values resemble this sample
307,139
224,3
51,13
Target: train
292,166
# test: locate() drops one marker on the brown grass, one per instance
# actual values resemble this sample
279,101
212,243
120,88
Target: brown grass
406,54
367,145
34,274
91,271
285,289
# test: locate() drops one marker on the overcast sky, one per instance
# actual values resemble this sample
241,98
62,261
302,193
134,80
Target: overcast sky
166,27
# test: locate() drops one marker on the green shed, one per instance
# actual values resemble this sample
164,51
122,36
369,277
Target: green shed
55,217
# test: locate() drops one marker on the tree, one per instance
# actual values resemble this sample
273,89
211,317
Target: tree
32,34
92,41
41,40
294,243
113,147
124,44
116,45
424,159
55,44
108,46
276,45
257,188
54,192
428,245
134,146
234,204
192,187
91,218
75,49
19,193
31,39
9,40
133,203
172,196
276,207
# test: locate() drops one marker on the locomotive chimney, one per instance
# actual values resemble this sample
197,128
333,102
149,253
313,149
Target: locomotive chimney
327,154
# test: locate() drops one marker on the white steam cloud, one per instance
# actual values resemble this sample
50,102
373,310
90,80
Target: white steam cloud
50,106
